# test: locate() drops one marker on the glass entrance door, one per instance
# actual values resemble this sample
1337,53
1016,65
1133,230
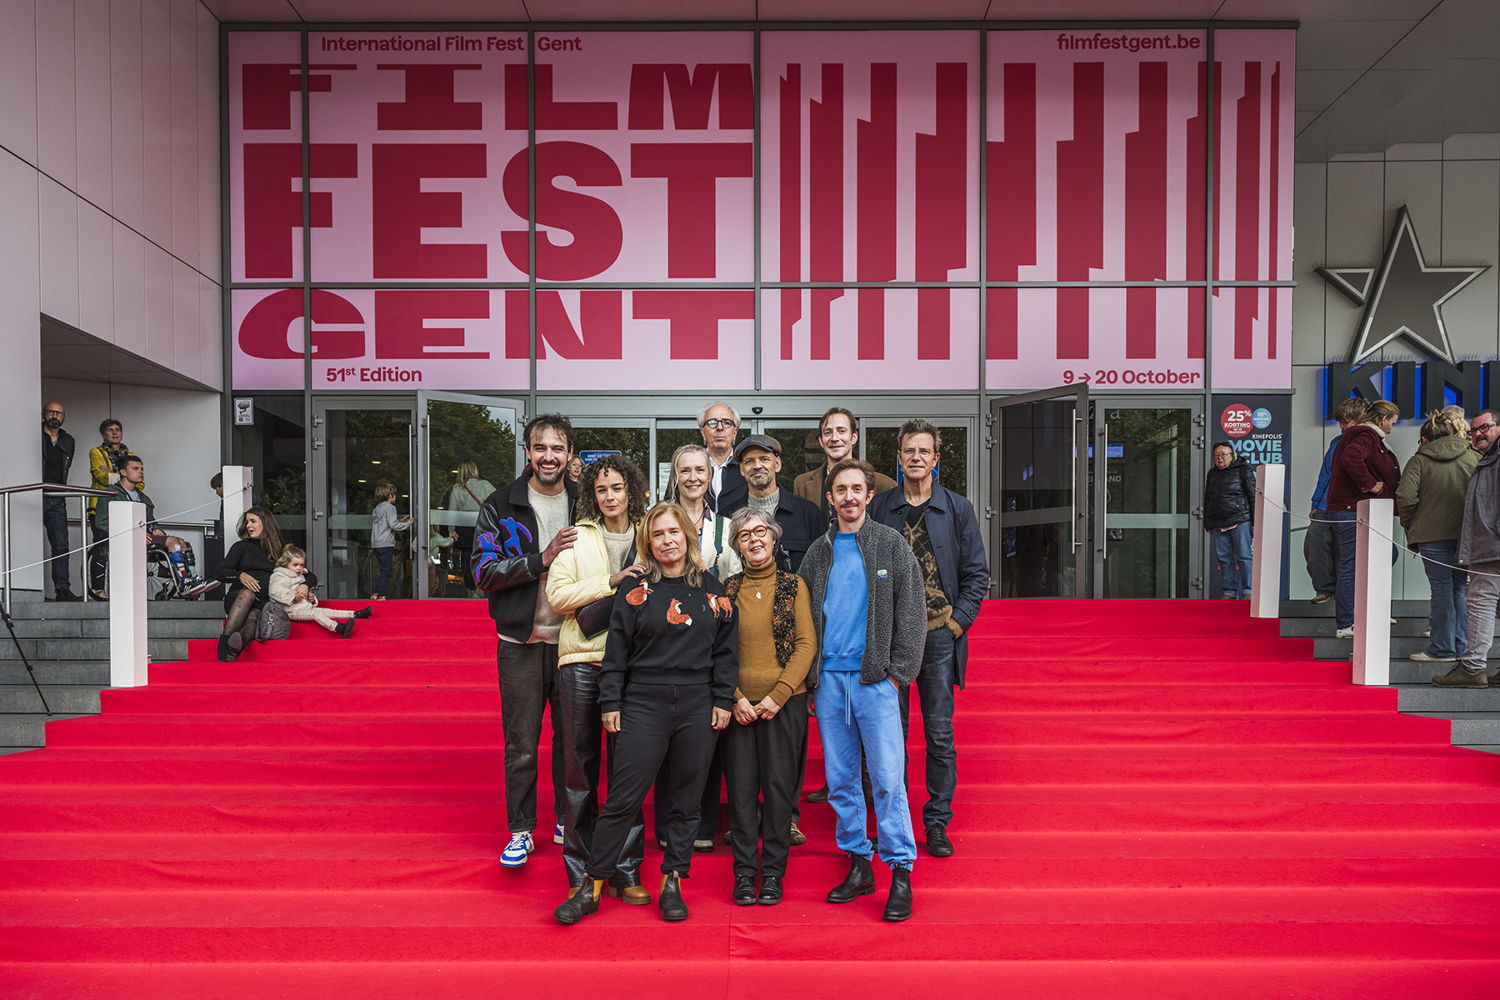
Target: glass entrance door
359,444
1038,468
468,448
1147,480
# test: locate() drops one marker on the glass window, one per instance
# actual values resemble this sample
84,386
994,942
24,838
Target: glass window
799,449
275,447
953,459
632,442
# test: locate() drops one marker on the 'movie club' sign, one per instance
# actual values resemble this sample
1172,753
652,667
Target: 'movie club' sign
644,172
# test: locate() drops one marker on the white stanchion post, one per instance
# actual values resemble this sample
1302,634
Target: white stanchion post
1372,592
237,482
1270,530
127,593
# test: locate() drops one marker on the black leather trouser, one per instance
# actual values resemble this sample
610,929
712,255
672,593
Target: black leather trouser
657,721
578,696
760,762
528,685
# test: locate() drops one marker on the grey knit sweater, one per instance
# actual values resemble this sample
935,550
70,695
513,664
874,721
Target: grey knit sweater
896,625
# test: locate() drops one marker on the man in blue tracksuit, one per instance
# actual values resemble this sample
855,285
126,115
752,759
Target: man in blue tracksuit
871,620
943,533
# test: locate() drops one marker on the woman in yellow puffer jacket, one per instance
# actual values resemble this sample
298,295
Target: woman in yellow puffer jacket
611,502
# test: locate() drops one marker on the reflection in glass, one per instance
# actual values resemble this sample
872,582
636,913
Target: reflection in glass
953,459
364,448
472,453
1148,502
1037,500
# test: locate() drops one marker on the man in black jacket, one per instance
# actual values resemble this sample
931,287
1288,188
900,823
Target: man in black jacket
720,425
521,529
759,456
57,460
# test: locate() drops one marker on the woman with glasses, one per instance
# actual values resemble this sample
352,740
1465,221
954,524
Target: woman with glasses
763,746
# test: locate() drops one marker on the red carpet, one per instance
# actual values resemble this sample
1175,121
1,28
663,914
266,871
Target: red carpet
1156,799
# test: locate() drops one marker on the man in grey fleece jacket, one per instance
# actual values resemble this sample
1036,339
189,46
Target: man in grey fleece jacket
1479,550
870,613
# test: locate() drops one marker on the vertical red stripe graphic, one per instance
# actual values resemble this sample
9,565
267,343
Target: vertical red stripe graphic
942,217
875,207
1197,167
790,219
1247,209
1146,209
871,328
1010,166
825,210
1080,208
1273,216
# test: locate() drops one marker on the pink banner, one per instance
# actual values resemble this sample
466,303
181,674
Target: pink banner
1253,153
869,143
1056,349
645,156
870,338
1252,338
419,156
265,156
646,339
379,339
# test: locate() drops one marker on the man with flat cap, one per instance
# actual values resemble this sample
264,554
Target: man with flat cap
759,458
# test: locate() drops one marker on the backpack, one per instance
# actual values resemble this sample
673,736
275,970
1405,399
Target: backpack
273,623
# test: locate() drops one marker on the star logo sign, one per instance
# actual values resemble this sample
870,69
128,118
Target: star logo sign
1403,297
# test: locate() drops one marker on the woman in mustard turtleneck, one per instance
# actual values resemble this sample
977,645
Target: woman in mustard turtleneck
777,644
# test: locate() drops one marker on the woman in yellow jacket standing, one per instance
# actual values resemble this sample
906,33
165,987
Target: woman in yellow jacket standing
581,583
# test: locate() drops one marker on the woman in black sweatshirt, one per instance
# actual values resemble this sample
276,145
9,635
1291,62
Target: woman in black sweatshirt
246,574
666,686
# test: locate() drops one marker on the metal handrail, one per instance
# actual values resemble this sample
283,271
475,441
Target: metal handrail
62,490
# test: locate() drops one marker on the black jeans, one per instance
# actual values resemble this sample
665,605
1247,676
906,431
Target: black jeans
708,806
578,695
97,561
55,523
760,761
385,556
528,684
657,721
935,685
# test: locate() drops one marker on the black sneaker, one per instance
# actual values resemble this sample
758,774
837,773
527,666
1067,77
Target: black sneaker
364,613
195,587
65,595
345,628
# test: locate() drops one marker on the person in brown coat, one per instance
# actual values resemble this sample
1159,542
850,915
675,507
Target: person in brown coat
1363,469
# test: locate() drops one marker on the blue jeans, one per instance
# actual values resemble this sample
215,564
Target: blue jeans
384,555
935,686
857,719
1450,589
1232,550
1345,531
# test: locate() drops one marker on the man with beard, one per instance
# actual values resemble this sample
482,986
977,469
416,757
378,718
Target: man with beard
57,460
837,435
720,425
759,457
520,530
1479,553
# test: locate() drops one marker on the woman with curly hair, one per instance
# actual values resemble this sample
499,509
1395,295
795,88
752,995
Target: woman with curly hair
581,583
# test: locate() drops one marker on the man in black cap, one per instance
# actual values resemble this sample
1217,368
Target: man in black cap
759,458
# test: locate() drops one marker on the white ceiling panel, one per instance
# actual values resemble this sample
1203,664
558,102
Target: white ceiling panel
1318,88
1347,44
640,10
251,10
871,10
1324,10
1103,10
405,10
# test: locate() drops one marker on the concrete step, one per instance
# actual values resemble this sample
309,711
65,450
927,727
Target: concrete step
98,628
1314,628
1307,609
213,607
95,672
73,699
1410,672
1471,728
1424,699
1402,646
27,731
98,649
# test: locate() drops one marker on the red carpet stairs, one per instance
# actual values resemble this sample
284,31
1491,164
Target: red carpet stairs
1156,798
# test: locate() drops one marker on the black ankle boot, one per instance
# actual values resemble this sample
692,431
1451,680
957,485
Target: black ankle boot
859,882
363,613
673,908
581,903
224,656
898,903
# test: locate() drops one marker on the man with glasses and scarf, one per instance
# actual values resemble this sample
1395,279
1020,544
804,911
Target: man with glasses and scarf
720,425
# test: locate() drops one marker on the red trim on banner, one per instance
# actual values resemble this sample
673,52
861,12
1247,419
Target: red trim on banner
1146,209
791,202
1011,165
1080,208
875,196
1273,211
1247,209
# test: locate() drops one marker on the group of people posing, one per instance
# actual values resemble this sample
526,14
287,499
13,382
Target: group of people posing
694,635
1448,500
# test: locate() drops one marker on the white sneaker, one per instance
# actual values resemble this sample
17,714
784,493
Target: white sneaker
1421,656
1344,633
1427,634
557,833
517,851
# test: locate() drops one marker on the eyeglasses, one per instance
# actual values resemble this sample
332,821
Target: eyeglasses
53,413
1482,427
759,531
917,453
714,423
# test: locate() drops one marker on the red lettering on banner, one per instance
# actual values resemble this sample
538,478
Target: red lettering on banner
598,336
942,210
790,168
875,207
1247,211
402,209
692,95
1273,210
429,103
561,115
692,171
400,316
266,89
597,235
1080,208
825,190
273,210
1011,165
693,316
264,332
1197,168
1146,209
